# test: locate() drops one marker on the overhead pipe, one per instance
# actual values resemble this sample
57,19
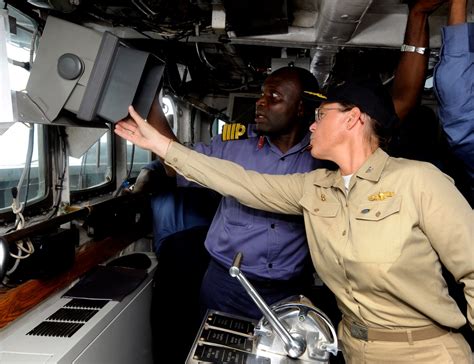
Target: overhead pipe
337,22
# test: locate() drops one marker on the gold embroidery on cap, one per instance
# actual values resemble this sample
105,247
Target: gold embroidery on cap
381,196
315,94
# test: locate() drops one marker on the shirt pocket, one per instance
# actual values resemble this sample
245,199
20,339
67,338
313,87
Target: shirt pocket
320,209
235,214
323,220
376,231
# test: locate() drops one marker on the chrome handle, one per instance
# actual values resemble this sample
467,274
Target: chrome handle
295,346
4,253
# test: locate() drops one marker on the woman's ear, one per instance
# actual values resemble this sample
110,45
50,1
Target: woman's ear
354,117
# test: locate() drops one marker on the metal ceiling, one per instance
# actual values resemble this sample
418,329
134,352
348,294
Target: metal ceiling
318,28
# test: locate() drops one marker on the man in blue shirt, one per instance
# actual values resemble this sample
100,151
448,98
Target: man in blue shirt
274,246
454,85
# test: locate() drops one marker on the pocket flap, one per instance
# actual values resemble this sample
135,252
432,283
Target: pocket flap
320,208
374,211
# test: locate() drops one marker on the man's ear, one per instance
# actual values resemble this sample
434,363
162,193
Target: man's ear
301,109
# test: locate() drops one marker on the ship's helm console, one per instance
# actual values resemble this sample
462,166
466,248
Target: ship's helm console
290,331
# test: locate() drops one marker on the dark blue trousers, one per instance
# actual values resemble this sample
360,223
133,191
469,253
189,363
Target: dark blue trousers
220,291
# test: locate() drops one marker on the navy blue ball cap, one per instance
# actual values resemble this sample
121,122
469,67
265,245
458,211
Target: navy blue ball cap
370,96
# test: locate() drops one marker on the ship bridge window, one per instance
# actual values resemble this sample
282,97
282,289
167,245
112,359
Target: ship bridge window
22,147
94,167
15,172
137,157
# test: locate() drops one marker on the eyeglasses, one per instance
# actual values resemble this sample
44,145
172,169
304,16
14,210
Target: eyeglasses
320,112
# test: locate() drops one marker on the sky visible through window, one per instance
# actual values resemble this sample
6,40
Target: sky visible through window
14,142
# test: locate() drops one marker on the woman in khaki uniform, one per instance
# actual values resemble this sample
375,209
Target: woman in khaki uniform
378,227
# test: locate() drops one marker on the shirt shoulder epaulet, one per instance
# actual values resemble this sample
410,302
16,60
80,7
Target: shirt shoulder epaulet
234,131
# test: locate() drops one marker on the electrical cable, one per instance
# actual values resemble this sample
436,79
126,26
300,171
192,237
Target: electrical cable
63,155
129,172
202,58
145,9
29,155
20,223
132,157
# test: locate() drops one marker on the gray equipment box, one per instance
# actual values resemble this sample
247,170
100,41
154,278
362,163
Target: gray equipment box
91,74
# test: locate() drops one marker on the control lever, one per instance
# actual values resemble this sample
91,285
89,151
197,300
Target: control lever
295,345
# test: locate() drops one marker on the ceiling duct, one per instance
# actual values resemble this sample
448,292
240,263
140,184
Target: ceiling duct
337,22
339,19
322,62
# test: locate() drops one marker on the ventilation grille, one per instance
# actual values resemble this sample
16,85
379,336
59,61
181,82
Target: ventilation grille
67,320
72,314
81,303
57,329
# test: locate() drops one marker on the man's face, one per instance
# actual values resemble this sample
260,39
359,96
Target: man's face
279,107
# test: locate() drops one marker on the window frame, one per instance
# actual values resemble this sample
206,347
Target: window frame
37,206
104,188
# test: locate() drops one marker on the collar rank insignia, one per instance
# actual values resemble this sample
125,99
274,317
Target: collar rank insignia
233,131
381,196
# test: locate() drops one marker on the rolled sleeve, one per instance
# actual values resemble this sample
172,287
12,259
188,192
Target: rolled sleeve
453,76
454,86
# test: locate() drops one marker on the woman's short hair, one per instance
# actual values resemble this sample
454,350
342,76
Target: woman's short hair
381,132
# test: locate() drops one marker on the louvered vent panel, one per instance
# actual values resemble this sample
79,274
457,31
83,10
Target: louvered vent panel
56,329
68,319
81,303
72,314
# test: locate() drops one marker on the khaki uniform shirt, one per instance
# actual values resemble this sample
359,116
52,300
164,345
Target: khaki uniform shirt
378,247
